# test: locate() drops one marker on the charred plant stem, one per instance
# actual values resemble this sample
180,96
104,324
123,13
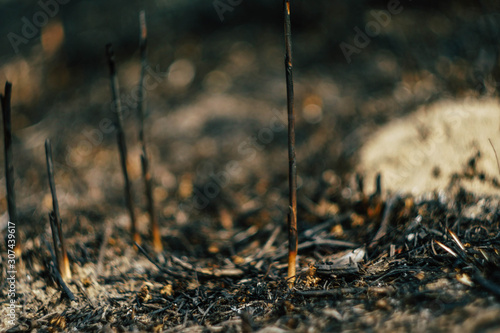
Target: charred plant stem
9,166
146,173
55,219
121,139
55,238
292,164
140,99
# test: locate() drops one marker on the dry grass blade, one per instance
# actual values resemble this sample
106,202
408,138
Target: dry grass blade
55,219
146,173
122,146
446,248
496,155
292,163
456,240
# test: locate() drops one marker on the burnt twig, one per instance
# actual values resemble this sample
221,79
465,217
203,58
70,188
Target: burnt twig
336,293
122,146
146,173
55,219
292,164
161,269
319,242
488,285
9,166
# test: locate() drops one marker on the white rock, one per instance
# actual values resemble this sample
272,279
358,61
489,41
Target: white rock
419,153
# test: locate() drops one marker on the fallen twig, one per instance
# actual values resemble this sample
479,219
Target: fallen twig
268,244
338,219
164,270
319,242
488,285
210,272
330,292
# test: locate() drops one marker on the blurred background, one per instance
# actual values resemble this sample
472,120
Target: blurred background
217,100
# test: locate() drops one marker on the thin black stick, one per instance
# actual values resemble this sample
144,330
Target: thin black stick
55,219
121,139
292,163
143,38
146,173
9,166
378,185
55,240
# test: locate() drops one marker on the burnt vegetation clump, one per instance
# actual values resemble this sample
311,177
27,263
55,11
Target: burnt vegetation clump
266,227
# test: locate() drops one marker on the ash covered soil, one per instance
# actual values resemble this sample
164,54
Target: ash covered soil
425,257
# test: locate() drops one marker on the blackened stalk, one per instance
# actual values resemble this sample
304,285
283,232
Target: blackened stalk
292,163
9,166
55,219
146,173
140,100
121,139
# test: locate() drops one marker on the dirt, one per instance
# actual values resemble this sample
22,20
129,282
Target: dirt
418,255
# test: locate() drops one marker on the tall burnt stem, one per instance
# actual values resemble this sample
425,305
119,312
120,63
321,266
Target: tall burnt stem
122,146
9,166
141,109
292,163
55,219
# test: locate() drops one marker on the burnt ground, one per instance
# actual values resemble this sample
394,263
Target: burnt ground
217,139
